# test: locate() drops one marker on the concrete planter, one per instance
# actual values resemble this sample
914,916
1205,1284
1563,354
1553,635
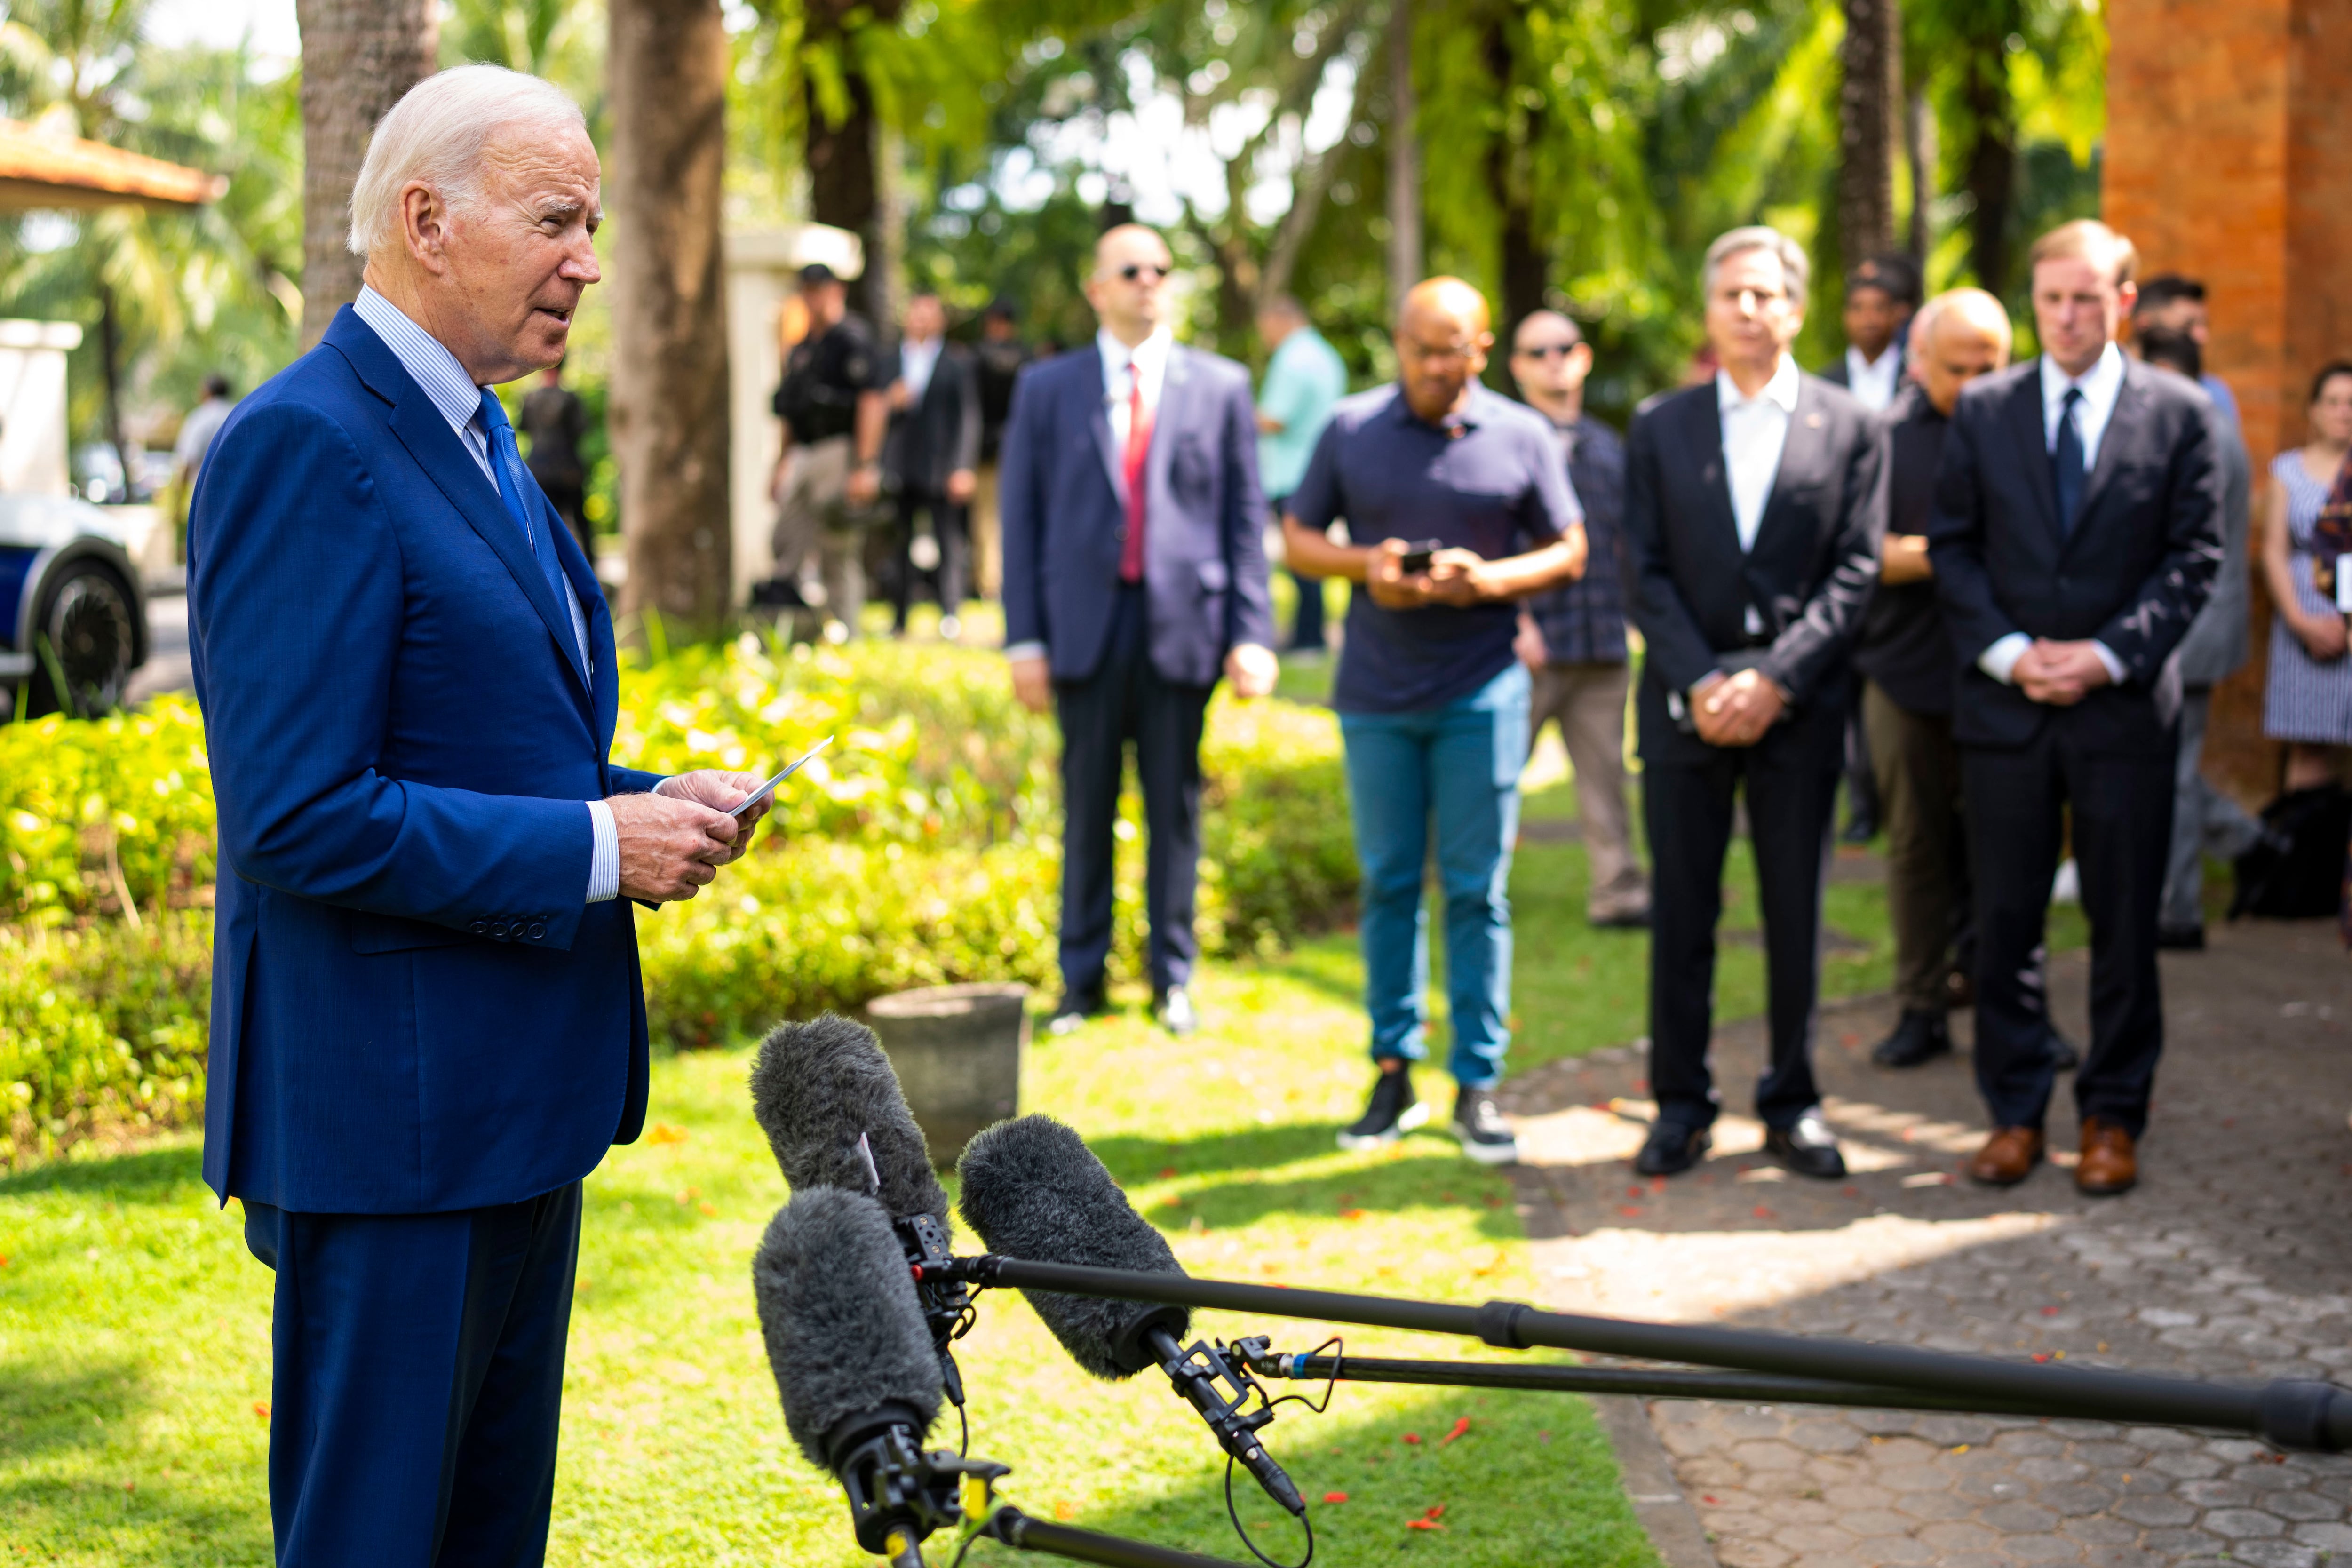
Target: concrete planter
957,1051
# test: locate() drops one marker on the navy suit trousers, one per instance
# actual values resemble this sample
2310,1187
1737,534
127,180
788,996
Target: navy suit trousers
419,1381
1126,699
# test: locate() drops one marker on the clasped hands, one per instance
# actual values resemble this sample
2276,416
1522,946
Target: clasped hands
1736,710
2058,673
674,840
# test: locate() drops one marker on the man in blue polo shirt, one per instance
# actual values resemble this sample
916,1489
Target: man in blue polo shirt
1432,701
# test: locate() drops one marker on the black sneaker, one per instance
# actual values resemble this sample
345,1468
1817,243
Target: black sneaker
1395,1111
1485,1136
1919,1037
2180,939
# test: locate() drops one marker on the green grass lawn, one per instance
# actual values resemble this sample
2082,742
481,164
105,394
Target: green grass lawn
134,1348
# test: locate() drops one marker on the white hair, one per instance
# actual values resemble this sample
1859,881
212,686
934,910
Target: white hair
435,135
1795,272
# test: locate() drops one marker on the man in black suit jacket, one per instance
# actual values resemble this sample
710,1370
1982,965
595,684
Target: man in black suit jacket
1754,506
2077,532
930,453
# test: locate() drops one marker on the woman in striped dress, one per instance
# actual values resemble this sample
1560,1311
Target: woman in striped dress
2309,699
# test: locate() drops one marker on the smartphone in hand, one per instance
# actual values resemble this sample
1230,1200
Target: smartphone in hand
1416,559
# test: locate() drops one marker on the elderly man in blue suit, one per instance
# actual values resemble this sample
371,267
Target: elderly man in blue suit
426,1019
1135,573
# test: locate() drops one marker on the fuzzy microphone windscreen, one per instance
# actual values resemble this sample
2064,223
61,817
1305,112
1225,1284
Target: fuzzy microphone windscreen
814,1088
1034,1191
844,1333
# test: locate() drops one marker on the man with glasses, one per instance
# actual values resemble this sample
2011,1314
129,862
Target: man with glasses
1754,506
1135,575
1467,497
1573,639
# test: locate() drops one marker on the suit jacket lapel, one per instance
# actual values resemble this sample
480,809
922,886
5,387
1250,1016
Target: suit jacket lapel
454,472
2034,444
2122,424
1114,460
1175,395
1799,462
1706,437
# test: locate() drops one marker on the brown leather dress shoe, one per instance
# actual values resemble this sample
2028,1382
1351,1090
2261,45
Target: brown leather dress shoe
2109,1164
2008,1156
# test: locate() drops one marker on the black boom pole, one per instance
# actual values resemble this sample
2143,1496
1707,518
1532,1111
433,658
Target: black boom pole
2290,1414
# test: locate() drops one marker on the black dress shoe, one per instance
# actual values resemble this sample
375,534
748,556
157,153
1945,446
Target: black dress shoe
1173,1008
1920,1036
2063,1057
1672,1149
2180,939
1071,1013
1809,1148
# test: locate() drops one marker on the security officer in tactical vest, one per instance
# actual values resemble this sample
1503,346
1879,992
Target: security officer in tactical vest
831,403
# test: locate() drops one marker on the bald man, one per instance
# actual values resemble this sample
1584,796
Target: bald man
1905,657
1135,576
1464,508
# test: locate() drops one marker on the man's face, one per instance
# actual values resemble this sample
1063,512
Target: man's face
1129,289
2180,315
996,328
522,254
1750,319
926,318
1955,354
1872,317
827,303
1437,354
2077,307
1549,363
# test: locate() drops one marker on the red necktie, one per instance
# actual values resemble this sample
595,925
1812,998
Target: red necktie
1138,447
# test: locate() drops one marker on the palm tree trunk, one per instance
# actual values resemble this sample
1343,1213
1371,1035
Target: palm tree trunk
358,58
667,65
110,358
1868,128
848,187
1524,264
1405,159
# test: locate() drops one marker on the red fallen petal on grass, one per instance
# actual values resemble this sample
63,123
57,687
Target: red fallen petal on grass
2049,1312
1413,1437
1065,1511
1763,1212
1351,1213
2040,1355
1460,1427
131,1486
1436,1510
1850,1192
1422,1525
1707,1499
1335,1497
1629,1212
1849,1040
1167,1172
1633,1191
261,1408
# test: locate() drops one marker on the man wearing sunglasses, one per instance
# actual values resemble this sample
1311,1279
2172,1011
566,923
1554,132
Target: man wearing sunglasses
1135,576
1573,637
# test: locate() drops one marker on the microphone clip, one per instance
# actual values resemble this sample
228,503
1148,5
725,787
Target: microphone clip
939,1290
1204,1374
896,1489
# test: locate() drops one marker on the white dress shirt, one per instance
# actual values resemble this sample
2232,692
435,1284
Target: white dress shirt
2100,386
454,392
916,359
1872,382
1121,367
1755,431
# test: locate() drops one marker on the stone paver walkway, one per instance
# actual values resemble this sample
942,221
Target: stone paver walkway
2232,1259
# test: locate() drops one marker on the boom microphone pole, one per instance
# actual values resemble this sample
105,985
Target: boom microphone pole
2291,1414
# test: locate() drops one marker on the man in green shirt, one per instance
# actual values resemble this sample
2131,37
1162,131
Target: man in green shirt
1303,379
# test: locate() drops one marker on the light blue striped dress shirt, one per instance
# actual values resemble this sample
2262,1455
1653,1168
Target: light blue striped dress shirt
434,369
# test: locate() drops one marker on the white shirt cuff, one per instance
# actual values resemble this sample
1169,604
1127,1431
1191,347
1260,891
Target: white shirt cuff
1026,650
605,861
2115,670
2000,659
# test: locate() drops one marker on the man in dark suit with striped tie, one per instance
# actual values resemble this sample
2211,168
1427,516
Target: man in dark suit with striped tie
2075,533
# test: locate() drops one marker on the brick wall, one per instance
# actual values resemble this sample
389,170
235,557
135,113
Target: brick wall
2228,159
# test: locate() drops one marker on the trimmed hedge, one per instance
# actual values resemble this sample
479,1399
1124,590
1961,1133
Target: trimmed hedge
922,848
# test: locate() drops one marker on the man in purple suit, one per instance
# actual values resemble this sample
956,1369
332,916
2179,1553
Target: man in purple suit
1135,574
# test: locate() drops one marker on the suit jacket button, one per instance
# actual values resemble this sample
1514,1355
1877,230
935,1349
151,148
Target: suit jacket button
479,928
538,932
498,929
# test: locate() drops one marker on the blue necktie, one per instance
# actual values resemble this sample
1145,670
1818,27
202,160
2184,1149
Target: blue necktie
2065,460
519,491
